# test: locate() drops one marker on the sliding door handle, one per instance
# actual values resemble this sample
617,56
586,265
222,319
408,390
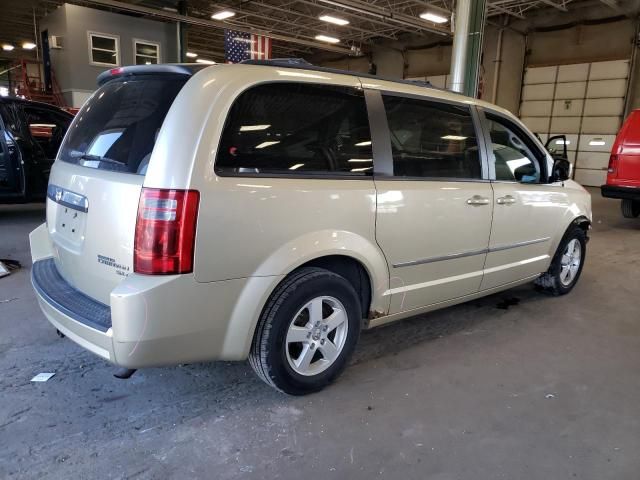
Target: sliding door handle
477,200
506,200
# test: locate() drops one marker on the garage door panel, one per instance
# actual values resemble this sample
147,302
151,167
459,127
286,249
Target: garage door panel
534,75
601,125
567,108
536,124
570,90
590,178
593,160
573,73
596,143
609,70
565,124
607,88
572,140
538,108
543,91
438,81
603,107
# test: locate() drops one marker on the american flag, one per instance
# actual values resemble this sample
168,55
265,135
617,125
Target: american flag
239,46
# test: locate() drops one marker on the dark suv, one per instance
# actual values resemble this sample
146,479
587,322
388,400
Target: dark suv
30,135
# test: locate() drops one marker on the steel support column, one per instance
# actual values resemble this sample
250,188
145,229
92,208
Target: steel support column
467,46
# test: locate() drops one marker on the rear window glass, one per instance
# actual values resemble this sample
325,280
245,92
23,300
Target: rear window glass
117,128
297,129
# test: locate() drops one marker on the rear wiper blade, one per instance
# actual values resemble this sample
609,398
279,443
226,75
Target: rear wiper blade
98,158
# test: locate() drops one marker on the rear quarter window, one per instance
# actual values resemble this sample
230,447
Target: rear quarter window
296,129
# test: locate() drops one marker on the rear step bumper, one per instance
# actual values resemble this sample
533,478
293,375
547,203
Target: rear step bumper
623,193
50,285
82,319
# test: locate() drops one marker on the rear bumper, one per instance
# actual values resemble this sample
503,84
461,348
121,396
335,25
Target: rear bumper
623,193
152,320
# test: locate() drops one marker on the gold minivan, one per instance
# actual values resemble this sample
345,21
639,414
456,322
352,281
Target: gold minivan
273,210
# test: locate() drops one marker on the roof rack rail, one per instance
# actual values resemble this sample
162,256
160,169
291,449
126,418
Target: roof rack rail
301,63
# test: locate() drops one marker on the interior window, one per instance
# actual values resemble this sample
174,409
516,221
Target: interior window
514,159
431,139
297,128
146,53
103,49
47,128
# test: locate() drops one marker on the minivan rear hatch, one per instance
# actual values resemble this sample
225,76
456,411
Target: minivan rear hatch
96,181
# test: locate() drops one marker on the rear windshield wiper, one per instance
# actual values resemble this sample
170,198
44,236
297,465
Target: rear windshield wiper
97,158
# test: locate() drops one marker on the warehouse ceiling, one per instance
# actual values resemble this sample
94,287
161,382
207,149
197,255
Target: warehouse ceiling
294,24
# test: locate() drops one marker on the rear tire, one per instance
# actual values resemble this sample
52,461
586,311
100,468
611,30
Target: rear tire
630,208
567,263
307,331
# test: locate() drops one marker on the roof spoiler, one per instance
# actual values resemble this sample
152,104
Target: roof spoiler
187,69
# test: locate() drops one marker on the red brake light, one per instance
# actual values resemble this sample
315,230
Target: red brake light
116,71
613,163
165,231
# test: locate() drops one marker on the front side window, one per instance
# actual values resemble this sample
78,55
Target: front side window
432,139
296,128
146,53
513,154
103,49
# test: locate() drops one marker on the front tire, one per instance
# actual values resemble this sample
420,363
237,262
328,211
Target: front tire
630,208
567,263
307,332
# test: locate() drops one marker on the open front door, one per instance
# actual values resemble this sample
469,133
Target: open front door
10,165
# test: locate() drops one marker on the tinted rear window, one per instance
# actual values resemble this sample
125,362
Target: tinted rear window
117,128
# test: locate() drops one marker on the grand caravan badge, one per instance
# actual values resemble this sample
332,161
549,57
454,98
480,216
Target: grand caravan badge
122,270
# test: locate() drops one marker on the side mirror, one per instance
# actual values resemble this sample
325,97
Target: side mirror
561,170
552,146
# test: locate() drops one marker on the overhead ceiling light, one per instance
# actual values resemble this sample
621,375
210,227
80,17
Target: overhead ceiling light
327,38
296,166
223,15
7,48
28,46
360,160
205,61
454,138
434,17
253,128
192,55
267,144
335,20
363,144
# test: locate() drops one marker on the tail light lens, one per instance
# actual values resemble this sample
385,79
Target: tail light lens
165,231
613,163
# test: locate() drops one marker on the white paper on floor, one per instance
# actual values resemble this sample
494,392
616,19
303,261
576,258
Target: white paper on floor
42,377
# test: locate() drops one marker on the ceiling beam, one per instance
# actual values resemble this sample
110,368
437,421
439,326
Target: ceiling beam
555,5
209,23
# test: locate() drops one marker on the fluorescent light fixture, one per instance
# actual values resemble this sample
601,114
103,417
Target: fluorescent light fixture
364,144
267,144
223,15
357,160
434,17
192,54
453,137
335,20
7,47
327,38
296,166
28,46
253,128
361,169
205,61
563,142
597,142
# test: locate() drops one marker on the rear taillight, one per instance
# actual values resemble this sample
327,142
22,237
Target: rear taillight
165,231
613,163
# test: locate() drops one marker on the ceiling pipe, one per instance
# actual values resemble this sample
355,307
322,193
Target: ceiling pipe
175,17
460,39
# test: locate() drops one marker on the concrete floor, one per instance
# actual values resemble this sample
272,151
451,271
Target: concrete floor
546,389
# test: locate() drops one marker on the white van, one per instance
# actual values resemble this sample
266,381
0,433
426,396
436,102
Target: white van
273,210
